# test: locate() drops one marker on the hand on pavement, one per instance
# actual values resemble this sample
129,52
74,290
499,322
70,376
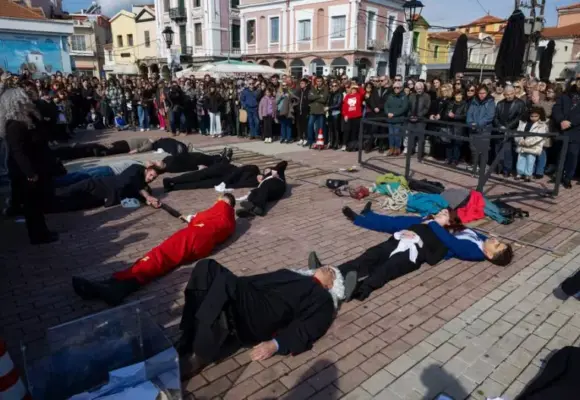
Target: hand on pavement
263,351
153,202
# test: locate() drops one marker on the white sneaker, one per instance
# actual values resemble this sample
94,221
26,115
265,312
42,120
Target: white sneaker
343,148
405,150
142,130
148,129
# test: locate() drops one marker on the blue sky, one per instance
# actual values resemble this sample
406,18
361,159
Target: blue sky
437,12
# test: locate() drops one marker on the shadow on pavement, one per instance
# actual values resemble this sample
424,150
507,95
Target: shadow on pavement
440,385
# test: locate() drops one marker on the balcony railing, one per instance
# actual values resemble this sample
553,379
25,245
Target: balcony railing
187,50
177,14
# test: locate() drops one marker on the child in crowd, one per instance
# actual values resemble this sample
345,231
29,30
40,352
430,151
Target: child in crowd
530,147
95,119
267,113
120,122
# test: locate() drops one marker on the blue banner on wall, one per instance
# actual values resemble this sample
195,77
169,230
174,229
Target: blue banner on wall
39,54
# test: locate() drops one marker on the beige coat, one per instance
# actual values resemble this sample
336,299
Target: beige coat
531,144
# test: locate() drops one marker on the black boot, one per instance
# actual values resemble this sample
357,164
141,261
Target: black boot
367,208
571,285
230,154
313,261
184,344
248,209
224,152
111,291
348,213
190,366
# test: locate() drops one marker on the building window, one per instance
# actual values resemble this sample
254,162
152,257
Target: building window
415,41
233,3
251,32
166,5
482,28
147,39
390,28
338,27
110,54
197,32
236,37
129,40
78,43
197,3
274,30
371,25
469,57
436,52
304,28
119,40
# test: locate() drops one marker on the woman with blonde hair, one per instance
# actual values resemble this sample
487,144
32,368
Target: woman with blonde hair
30,163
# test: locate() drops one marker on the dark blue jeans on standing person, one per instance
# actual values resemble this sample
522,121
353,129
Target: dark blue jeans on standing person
315,122
508,158
541,161
285,128
453,147
253,122
395,140
143,113
74,177
175,121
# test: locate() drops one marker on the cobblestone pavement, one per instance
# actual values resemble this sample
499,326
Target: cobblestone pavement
471,330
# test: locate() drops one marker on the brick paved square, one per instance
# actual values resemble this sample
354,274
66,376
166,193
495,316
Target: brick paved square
457,324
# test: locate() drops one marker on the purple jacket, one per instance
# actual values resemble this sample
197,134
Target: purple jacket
267,107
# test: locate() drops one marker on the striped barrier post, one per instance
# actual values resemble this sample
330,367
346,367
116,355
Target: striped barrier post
11,385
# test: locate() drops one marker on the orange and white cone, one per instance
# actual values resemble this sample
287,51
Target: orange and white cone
11,385
319,140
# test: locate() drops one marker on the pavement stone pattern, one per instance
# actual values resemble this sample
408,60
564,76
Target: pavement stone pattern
471,330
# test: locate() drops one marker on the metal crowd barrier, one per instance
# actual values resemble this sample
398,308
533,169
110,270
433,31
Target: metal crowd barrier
480,139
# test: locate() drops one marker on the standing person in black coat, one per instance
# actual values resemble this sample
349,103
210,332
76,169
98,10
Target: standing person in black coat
376,109
29,161
176,100
281,312
566,114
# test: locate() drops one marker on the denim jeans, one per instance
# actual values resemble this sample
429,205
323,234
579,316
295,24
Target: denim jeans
215,123
541,163
525,165
508,160
285,128
394,140
143,113
253,123
315,122
74,177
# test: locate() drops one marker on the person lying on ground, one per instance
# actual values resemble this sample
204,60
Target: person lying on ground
464,243
106,191
168,145
281,312
231,176
112,169
203,233
271,187
187,162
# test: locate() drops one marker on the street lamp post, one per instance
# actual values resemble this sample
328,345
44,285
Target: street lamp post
413,9
168,37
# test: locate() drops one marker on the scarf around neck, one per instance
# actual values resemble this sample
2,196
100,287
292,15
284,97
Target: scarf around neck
337,290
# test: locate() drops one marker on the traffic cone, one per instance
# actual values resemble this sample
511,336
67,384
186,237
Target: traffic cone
319,140
11,385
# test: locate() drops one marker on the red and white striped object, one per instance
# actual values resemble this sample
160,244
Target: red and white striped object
11,386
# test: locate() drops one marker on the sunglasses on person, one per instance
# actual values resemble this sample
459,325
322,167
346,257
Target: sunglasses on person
383,80
398,79
471,90
517,87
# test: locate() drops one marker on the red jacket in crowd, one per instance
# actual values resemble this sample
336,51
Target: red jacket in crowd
352,105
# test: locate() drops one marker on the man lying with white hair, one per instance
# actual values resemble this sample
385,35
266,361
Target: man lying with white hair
279,312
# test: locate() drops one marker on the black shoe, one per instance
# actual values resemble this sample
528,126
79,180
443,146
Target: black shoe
366,208
313,261
247,205
224,152
168,185
243,213
505,174
567,183
350,281
259,211
348,213
570,285
50,237
112,291
536,176
230,154
527,179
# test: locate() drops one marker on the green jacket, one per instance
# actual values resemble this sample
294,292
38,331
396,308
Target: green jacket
317,99
398,105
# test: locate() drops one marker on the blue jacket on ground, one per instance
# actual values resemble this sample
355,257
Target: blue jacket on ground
462,249
426,203
249,99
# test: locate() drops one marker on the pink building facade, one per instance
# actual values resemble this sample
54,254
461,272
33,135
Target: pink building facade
320,36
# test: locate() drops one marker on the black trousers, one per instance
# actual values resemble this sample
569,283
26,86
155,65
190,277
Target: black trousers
334,130
351,130
83,195
271,190
234,177
301,126
378,266
33,195
210,284
268,126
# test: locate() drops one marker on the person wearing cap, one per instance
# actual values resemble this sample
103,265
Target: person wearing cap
396,108
351,114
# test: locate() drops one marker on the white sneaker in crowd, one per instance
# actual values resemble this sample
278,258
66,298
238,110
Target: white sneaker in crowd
142,130
343,148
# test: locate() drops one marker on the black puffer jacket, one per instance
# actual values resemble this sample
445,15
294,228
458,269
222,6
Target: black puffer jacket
334,101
